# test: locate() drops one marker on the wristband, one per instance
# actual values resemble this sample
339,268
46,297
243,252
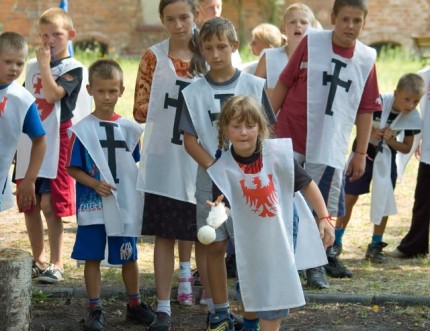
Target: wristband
328,219
360,153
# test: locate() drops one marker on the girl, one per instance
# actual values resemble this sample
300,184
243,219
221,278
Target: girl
259,182
167,174
297,18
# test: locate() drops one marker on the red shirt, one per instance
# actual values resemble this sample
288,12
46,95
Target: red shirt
292,118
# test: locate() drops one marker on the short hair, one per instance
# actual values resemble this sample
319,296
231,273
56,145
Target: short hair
246,109
220,27
104,69
269,34
339,4
411,82
12,41
313,22
56,15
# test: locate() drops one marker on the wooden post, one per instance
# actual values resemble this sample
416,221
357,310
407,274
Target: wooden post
15,289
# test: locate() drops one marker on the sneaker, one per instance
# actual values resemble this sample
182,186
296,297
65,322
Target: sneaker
253,329
162,322
36,271
334,250
337,269
95,320
51,275
374,252
397,254
218,322
237,321
185,298
230,265
141,314
316,278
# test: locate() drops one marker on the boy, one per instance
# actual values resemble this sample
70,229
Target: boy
416,241
398,112
18,113
103,152
203,100
328,85
54,79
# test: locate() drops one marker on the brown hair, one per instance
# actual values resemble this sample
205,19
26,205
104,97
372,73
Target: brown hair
411,82
12,41
105,69
339,4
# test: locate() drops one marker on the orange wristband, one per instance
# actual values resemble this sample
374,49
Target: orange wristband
360,153
328,219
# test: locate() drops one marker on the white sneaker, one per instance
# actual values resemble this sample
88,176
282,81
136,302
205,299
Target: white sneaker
51,275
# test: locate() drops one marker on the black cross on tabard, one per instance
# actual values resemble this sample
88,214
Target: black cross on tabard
178,104
111,144
222,98
335,82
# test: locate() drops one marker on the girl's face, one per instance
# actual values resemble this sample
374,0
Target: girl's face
243,136
178,19
296,24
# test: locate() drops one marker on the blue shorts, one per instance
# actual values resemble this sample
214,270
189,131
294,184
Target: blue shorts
90,245
362,185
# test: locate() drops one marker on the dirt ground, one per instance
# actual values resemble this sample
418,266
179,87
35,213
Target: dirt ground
69,314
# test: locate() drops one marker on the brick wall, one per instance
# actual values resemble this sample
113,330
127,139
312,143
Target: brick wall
119,23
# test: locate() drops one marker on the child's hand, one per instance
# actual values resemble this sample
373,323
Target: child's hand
376,134
218,200
43,55
356,167
388,134
26,194
104,189
326,232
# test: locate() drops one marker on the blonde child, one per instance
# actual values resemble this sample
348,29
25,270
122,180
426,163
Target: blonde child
166,172
203,101
328,85
18,114
398,113
297,18
102,159
259,183
54,79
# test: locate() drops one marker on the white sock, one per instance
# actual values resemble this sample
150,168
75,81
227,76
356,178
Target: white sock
184,287
210,305
184,270
163,306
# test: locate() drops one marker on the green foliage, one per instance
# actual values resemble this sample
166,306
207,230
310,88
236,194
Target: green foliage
39,296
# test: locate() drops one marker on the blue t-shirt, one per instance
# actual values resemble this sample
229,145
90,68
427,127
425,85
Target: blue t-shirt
33,126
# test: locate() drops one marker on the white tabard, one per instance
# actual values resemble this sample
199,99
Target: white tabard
111,144
335,86
50,116
14,104
383,202
165,167
425,113
263,227
276,60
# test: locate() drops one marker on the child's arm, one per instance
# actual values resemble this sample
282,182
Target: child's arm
102,188
277,95
196,151
260,71
358,162
313,195
26,190
53,91
402,147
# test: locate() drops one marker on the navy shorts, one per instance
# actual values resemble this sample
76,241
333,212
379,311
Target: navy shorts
91,242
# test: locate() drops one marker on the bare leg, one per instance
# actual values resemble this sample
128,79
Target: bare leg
270,325
92,277
378,230
130,276
163,266
34,225
350,201
217,274
185,247
201,261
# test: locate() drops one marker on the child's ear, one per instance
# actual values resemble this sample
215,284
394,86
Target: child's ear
235,45
333,18
121,91
88,86
72,33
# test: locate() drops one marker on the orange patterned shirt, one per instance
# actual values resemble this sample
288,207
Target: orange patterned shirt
145,73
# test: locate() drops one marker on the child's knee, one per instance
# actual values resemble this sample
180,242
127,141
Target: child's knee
47,207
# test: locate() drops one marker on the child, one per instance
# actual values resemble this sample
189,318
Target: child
166,172
328,85
18,113
54,78
103,152
398,112
203,101
298,17
416,241
264,36
259,182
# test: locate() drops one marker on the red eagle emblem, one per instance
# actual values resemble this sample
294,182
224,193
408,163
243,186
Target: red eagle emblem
262,199
44,107
3,106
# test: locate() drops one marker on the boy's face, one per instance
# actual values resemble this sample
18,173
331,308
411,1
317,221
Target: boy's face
11,65
348,24
54,36
217,52
105,93
405,101
210,9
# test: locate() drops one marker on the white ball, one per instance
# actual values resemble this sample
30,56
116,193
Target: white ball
206,235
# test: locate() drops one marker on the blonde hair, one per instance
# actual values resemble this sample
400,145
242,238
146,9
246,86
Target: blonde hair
56,15
242,108
411,82
301,6
269,34
12,41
